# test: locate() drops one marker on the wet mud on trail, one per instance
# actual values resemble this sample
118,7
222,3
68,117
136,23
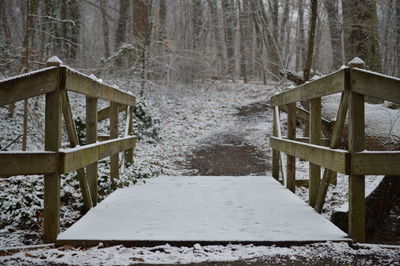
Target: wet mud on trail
229,152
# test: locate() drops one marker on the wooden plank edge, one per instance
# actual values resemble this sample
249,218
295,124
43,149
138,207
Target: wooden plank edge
79,157
345,164
374,84
313,89
105,112
27,163
97,89
375,163
29,85
190,243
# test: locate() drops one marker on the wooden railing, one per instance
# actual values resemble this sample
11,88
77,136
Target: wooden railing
54,81
353,83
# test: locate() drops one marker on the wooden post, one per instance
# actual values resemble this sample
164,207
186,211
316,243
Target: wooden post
315,138
74,141
356,182
334,144
129,121
114,159
291,160
91,137
52,134
275,153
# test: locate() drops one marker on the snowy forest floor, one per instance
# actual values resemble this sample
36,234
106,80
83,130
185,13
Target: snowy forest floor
212,128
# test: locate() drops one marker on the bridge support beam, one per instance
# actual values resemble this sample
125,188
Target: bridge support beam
91,137
356,182
315,138
291,160
51,222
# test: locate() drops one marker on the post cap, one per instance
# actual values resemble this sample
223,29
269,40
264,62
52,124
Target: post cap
54,61
356,62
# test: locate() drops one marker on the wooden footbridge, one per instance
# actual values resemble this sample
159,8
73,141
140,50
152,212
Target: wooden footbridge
207,210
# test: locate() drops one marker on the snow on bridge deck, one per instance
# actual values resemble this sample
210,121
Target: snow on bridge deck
182,210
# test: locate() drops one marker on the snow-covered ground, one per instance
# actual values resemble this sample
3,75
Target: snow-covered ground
315,254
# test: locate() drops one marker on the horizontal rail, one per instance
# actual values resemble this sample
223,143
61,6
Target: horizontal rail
27,163
326,85
304,115
79,157
80,83
376,163
333,159
105,112
375,84
29,85
324,141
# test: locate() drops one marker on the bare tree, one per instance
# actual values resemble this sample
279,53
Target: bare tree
217,35
332,10
141,29
105,28
120,33
197,22
229,13
361,36
300,46
311,39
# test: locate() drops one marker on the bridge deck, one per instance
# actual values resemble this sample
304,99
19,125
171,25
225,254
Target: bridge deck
204,209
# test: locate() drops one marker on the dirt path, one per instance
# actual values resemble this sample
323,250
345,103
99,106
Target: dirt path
230,151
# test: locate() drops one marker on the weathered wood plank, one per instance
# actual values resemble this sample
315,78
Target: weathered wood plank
74,141
291,160
324,141
91,137
315,138
103,137
80,83
105,112
375,163
329,176
72,159
29,85
275,153
334,159
51,221
329,84
27,163
375,85
356,182
304,116
114,159
129,132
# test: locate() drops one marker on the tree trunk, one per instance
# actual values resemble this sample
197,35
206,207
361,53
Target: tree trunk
300,47
334,23
197,23
229,25
163,20
31,12
5,24
311,39
103,8
244,38
361,35
75,16
141,34
272,37
120,34
217,35
283,27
